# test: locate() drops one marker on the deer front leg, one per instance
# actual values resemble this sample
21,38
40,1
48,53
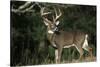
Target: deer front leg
58,55
81,54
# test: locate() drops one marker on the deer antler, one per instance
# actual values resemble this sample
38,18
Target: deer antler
43,14
57,15
55,18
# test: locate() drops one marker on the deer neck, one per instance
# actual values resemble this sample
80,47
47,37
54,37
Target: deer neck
50,36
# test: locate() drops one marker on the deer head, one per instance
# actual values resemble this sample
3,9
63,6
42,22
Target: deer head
51,25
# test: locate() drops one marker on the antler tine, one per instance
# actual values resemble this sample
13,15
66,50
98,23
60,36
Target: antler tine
57,16
42,10
43,14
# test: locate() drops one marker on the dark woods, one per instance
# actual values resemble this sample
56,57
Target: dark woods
29,45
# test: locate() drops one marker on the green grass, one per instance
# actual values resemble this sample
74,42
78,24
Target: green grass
69,55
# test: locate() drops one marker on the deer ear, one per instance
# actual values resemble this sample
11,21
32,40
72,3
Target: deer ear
57,23
46,23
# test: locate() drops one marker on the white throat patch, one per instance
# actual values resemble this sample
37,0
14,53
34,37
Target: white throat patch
50,31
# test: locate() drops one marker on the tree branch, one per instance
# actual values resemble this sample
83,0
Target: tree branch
22,9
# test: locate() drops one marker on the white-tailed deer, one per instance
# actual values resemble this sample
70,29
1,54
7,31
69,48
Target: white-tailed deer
64,39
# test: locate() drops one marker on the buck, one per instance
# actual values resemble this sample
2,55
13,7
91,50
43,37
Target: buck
64,39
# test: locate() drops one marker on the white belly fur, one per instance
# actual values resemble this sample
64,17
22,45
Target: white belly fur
69,46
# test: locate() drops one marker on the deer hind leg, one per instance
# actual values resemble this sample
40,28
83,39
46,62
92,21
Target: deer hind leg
87,48
81,52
